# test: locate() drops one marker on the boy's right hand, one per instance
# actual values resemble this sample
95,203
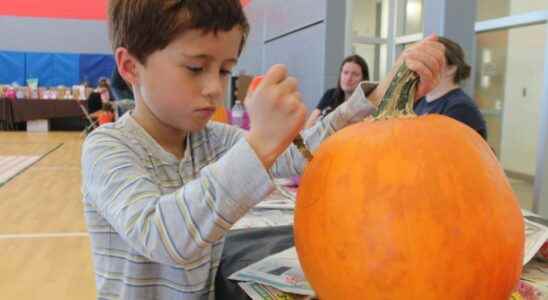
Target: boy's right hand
276,113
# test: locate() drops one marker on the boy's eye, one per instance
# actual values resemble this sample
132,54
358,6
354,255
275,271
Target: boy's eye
226,72
194,69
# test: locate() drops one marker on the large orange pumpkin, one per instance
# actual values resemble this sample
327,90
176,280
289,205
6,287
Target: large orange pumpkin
408,208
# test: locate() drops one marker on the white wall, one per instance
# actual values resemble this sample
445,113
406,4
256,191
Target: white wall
523,93
488,9
364,17
524,6
364,23
413,17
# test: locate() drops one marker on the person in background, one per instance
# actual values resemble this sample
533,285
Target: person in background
447,98
105,91
101,95
122,93
352,71
95,103
105,115
119,87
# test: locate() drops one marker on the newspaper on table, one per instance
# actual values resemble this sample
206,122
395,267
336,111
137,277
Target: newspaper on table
283,197
276,210
277,201
264,218
534,277
535,273
536,234
281,271
277,275
257,291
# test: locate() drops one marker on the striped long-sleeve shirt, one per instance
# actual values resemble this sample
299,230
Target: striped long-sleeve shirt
157,224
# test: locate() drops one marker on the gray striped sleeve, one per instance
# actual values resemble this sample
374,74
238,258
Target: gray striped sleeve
177,228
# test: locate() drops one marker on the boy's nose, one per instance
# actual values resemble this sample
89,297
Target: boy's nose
213,87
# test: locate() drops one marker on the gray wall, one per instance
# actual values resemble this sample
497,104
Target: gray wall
303,52
251,60
335,40
53,35
305,35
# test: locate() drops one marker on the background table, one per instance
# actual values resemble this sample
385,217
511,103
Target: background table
24,110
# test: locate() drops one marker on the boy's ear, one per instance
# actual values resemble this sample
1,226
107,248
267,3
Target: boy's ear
127,65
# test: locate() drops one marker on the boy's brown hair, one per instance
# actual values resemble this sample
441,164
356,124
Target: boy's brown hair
145,26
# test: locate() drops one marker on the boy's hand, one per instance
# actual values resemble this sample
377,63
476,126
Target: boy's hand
276,113
426,58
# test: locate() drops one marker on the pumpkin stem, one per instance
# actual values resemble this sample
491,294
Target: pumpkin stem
399,98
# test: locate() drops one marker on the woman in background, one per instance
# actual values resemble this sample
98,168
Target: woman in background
353,70
447,98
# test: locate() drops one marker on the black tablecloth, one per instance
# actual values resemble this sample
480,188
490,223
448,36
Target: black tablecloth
244,247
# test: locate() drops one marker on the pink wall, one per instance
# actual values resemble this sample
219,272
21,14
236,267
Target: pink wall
59,9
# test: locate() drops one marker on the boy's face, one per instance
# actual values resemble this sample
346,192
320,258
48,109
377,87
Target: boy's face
183,84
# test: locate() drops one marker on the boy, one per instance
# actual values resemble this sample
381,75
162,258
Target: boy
162,185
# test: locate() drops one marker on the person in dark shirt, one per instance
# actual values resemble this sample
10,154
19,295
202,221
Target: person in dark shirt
120,88
448,98
353,70
94,102
122,92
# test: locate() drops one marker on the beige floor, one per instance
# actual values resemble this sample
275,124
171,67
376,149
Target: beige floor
45,251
